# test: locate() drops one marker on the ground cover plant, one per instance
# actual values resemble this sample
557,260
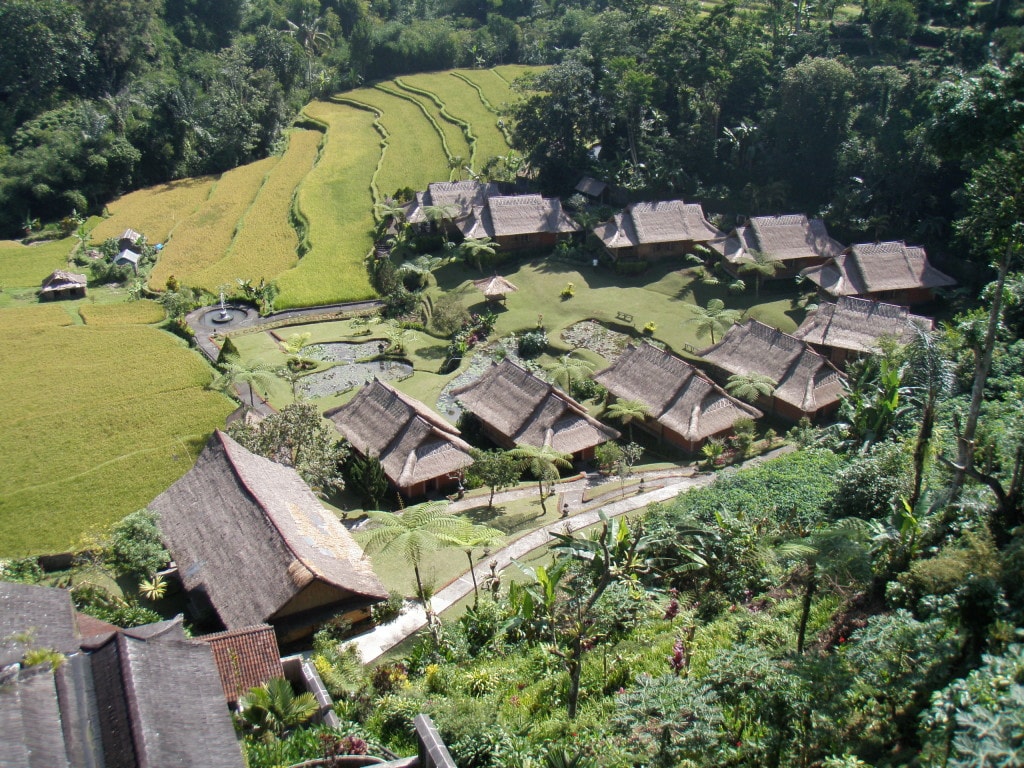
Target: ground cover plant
154,211
99,421
26,266
205,236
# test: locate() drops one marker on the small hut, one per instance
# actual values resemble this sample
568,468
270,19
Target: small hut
495,288
128,258
63,285
129,239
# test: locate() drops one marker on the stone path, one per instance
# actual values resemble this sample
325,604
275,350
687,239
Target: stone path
659,485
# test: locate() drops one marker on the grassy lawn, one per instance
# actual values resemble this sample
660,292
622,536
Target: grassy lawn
156,211
26,266
100,419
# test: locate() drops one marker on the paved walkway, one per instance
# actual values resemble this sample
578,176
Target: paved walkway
659,485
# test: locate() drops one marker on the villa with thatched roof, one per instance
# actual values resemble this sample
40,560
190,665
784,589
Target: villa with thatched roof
420,452
253,543
806,383
519,221
794,240
852,327
146,696
63,285
686,408
892,271
516,408
646,231
456,198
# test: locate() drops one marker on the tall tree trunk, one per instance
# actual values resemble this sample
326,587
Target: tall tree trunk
472,572
805,610
924,436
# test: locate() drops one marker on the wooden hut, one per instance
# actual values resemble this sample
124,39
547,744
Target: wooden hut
519,221
253,543
793,239
892,272
686,408
656,230
517,408
63,285
420,452
806,383
852,327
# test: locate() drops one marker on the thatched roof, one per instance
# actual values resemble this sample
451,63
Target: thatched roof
35,617
459,197
250,534
494,287
792,237
138,697
679,396
530,411
517,215
413,443
805,379
668,221
590,187
858,324
245,658
876,267
60,280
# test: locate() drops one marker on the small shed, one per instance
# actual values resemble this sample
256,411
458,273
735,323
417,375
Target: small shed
63,285
128,258
495,288
129,239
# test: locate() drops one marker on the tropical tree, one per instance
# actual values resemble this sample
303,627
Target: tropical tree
439,216
762,267
236,373
928,377
415,531
714,318
566,367
750,386
272,709
626,411
468,538
422,266
543,463
309,33
496,469
477,250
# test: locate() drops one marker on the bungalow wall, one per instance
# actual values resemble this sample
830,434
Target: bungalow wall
905,297
532,240
790,268
77,292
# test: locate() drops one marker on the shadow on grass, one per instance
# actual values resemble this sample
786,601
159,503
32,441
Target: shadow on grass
435,352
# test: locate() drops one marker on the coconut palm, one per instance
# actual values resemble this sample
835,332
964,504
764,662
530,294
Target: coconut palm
761,266
476,250
750,386
714,318
566,367
273,708
543,463
414,532
626,411
472,536
310,35
234,374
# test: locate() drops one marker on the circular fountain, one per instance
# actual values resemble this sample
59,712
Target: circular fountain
222,315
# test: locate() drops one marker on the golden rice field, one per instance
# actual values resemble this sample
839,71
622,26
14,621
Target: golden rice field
145,312
98,422
452,130
335,202
154,212
25,266
266,243
204,237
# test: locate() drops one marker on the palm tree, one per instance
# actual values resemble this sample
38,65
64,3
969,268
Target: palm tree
750,386
472,536
566,366
271,709
416,531
422,266
310,36
762,266
476,250
543,463
626,411
252,374
714,318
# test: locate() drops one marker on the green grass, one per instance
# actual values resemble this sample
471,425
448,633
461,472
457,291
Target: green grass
452,130
98,422
26,266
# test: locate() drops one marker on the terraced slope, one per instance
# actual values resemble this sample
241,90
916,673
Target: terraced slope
155,211
25,266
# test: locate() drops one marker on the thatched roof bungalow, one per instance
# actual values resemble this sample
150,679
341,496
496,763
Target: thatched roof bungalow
63,285
251,540
128,697
686,408
419,450
519,221
517,408
852,327
656,230
892,272
793,239
806,383
456,198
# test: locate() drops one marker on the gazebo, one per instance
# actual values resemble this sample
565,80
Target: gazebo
495,288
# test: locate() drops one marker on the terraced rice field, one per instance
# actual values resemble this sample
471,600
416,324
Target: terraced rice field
25,266
98,421
145,312
156,211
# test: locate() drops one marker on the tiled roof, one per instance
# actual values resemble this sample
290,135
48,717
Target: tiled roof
245,658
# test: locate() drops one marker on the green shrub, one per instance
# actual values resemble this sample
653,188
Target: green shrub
390,609
25,571
533,343
135,548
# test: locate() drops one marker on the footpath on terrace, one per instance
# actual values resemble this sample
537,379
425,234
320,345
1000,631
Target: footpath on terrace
659,485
